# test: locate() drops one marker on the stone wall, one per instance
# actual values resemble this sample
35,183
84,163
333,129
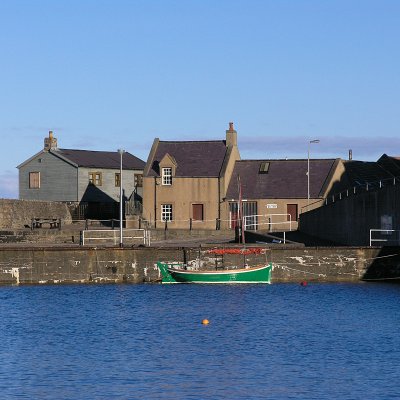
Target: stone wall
17,214
348,221
63,264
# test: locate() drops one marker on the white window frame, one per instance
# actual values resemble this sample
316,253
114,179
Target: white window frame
166,176
166,212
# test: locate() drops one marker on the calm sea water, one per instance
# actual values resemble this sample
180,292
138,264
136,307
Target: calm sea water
283,341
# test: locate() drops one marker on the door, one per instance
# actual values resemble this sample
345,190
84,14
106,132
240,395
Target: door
198,212
249,213
292,211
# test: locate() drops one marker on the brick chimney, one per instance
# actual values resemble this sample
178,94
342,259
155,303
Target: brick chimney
50,143
231,136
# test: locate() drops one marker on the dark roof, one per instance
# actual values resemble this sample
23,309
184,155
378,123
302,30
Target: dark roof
100,159
281,179
193,158
359,173
390,164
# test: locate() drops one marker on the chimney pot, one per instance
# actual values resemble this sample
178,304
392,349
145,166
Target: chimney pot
231,136
50,143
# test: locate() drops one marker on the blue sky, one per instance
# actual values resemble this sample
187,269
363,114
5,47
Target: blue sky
109,74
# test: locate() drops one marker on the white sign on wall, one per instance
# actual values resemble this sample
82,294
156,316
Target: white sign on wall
386,223
272,205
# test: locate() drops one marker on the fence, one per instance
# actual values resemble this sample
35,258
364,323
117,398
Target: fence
250,222
90,224
266,220
129,236
394,238
362,188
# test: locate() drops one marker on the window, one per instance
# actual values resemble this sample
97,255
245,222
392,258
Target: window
167,176
117,179
248,215
166,212
264,168
34,180
138,180
198,212
95,178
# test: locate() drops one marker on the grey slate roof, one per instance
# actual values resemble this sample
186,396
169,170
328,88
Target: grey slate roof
193,158
285,179
100,159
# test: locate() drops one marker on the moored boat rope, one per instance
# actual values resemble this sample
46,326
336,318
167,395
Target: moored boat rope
285,268
375,258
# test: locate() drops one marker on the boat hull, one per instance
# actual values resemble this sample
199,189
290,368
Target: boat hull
249,275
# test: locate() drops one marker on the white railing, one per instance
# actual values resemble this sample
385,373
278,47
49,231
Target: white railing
249,221
266,219
388,232
113,235
281,222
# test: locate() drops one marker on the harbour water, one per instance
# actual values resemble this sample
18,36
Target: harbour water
279,341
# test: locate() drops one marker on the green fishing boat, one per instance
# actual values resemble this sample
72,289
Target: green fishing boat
176,273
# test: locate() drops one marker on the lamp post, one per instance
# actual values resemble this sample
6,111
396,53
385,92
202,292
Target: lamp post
308,170
121,152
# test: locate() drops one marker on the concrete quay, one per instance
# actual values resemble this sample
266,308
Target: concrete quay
46,263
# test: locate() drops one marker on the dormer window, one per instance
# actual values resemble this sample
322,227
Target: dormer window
166,176
264,167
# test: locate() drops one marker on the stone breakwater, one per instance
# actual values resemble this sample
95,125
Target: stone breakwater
62,264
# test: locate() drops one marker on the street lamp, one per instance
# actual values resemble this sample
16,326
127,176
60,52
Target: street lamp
308,170
121,152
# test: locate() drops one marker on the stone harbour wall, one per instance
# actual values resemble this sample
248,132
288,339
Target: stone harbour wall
57,265
17,214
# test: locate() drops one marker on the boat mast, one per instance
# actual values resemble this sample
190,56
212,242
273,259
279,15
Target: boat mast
240,213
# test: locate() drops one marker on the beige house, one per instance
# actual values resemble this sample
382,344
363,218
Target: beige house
275,192
185,182
196,184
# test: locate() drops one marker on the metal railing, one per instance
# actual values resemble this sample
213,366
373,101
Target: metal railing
387,232
266,219
113,236
249,221
361,188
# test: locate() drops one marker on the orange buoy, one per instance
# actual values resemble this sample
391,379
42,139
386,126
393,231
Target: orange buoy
205,322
